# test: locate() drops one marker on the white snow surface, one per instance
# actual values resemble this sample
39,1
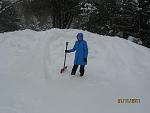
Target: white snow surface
30,79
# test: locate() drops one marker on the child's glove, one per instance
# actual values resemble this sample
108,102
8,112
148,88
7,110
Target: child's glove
66,51
85,59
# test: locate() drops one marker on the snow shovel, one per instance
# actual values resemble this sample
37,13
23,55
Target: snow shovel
65,67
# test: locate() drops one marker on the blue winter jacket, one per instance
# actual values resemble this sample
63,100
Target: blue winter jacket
81,49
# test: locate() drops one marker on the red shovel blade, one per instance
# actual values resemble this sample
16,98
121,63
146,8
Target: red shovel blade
63,69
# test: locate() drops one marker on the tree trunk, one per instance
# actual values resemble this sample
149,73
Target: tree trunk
70,21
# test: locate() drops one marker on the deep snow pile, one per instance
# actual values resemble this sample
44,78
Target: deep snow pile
30,81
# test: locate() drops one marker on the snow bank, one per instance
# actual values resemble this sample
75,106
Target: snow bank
30,79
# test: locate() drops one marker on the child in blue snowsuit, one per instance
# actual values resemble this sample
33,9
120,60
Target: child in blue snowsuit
81,54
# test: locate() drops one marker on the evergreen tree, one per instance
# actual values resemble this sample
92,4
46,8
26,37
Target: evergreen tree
145,21
63,12
35,14
101,20
125,21
86,8
8,17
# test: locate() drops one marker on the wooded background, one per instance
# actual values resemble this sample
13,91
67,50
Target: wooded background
121,18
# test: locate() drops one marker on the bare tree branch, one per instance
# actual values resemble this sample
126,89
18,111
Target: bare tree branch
9,6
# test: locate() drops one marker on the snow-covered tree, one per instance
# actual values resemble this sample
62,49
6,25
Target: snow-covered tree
87,8
60,12
8,17
144,7
7,4
129,6
125,21
35,14
63,12
1,2
100,20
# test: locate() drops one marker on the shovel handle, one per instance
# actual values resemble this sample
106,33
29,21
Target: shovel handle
65,54
67,45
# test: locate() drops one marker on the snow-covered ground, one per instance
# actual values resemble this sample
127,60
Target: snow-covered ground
30,79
